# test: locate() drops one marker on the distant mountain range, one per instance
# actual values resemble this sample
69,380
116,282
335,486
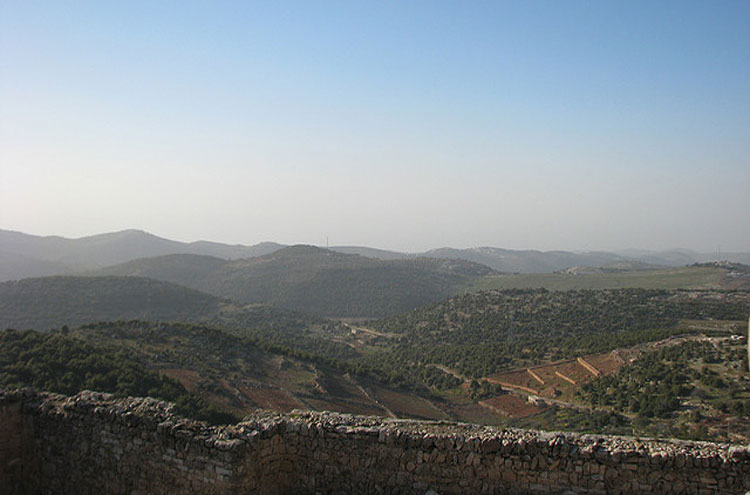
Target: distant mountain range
23,255
533,261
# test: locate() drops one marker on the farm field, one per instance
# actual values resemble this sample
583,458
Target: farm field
405,405
266,397
557,380
513,406
669,278
334,392
474,412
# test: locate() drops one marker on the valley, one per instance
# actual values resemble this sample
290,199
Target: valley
518,357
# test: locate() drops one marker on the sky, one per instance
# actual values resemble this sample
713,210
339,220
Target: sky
404,125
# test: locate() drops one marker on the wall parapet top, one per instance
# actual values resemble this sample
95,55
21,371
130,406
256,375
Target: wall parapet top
160,415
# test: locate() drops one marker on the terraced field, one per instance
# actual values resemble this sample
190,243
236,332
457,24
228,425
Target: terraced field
558,380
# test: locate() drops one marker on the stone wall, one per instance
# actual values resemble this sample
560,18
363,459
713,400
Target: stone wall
94,443
12,442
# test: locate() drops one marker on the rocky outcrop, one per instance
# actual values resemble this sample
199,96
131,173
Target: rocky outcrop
95,443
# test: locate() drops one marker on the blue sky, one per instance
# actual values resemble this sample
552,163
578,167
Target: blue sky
405,125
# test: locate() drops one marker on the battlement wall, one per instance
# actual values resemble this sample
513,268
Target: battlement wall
94,443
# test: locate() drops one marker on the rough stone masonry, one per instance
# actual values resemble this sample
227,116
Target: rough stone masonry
95,443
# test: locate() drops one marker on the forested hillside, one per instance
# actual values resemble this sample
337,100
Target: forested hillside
64,363
43,303
482,332
208,372
445,361
695,389
53,302
314,280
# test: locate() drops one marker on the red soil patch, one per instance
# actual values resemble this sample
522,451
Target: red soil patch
271,398
521,379
512,405
187,378
405,405
571,369
575,371
516,378
475,413
338,386
605,363
345,406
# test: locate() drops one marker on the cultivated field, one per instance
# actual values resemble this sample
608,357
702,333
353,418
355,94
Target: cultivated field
558,380
670,278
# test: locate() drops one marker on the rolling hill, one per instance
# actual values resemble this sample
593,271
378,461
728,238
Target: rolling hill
50,302
528,261
314,280
23,255
184,362
532,261
724,276
482,332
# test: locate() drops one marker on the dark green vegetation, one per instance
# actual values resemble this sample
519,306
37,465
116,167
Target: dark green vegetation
326,283
558,418
43,303
697,389
234,374
52,302
479,334
314,280
474,334
427,363
60,362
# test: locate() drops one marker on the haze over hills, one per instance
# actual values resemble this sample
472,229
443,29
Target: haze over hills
314,280
534,261
23,255
527,261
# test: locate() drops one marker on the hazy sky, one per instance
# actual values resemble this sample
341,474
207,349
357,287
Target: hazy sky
404,125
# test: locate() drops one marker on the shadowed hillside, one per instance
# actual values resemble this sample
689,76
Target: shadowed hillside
49,302
314,280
